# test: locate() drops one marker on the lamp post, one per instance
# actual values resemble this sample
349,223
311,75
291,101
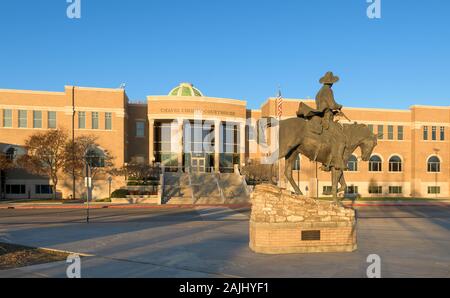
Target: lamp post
2,178
73,145
298,171
436,152
88,184
109,190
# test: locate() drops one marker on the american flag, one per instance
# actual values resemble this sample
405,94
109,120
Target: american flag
279,104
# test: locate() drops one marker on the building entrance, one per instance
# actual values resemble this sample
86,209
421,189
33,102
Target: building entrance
198,164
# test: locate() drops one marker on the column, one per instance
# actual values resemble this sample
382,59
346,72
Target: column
151,136
180,143
242,143
217,124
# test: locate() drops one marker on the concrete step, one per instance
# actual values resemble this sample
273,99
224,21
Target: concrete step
232,186
204,188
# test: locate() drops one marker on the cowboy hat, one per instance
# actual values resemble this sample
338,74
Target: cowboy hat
329,78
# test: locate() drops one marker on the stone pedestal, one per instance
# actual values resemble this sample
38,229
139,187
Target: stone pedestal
282,223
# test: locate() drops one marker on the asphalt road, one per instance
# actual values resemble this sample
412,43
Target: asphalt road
50,216
213,242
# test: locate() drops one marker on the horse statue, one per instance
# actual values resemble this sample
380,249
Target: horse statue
332,148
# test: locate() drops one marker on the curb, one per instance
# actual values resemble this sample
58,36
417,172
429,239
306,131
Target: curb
190,206
83,207
399,205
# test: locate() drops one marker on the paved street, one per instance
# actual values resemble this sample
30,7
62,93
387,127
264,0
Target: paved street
412,241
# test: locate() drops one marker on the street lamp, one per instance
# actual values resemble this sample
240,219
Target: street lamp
436,152
110,181
87,182
297,164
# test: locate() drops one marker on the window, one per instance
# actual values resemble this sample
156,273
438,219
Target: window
434,164
23,119
425,133
375,164
140,129
7,118
230,140
15,189
352,164
11,154
442,130
434,133
164,136
380,132
44,189
297,164
37,119
108,121
327,190
352,190
400,133
370,126
390,132
51,120
251,132
94,120
95,158
395,190
434,190
374,189
395,164
81,120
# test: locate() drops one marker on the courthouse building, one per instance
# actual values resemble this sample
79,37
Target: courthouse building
189,131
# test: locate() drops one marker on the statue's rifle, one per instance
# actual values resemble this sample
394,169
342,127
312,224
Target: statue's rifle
343,115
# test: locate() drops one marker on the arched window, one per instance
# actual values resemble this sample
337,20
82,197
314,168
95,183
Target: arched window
395,164
352,164
11,154
375,164
434,164
95,158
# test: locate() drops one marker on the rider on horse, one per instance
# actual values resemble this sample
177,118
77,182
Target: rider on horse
321,118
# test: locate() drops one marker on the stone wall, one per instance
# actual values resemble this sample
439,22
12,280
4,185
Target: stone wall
284,223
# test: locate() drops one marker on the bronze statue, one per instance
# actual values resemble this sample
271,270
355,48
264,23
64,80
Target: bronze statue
314,134
327,107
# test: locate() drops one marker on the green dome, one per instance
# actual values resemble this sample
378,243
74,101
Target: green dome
185,89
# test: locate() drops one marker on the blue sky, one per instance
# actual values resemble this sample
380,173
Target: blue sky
238,49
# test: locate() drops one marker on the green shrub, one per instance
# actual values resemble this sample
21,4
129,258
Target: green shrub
119,193
106,200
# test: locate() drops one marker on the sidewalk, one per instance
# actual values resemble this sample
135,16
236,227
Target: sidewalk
25,206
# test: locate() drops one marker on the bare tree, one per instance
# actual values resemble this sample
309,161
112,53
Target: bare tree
260,173
86,149
139,172
5,164
46,155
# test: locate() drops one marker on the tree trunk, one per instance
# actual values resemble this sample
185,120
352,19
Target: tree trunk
1,184
55,183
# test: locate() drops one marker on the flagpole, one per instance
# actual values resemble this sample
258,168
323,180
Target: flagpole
279,104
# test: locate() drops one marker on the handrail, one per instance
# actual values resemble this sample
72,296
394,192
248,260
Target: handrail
244,183
161,189
190,185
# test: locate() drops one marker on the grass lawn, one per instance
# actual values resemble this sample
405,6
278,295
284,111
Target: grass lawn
16,256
